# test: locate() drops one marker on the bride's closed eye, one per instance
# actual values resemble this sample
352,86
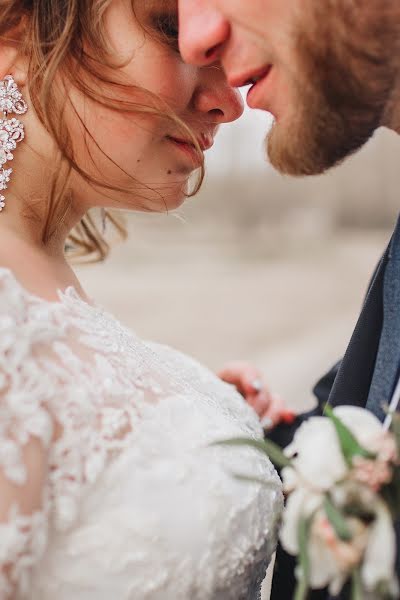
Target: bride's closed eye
166,26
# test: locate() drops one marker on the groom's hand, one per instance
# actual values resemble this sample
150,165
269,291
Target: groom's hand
250,383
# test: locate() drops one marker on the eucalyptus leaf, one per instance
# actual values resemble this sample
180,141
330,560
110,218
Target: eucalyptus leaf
384,592
337,519
273,451
302,589
258,480
304,560
304,534
395,427
348,442
356,587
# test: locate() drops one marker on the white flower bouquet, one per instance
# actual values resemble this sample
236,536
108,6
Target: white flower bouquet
341,477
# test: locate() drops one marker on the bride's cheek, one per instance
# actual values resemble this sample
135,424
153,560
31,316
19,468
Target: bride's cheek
121,134
176,85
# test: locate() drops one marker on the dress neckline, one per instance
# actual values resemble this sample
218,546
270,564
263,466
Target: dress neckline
69,292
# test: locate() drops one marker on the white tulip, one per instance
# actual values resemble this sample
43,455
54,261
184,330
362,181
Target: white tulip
363,425
290,479
325,570
318,466
380,554
316,453
300,504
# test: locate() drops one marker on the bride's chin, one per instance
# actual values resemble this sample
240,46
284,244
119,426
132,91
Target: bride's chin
167,202
173,203
175,196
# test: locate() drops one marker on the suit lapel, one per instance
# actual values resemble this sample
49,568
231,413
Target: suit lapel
354,376
388,358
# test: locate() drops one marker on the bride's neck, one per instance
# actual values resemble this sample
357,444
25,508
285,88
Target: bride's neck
24,219
40,266
25,214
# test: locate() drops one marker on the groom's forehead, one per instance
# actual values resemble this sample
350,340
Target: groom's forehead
239,10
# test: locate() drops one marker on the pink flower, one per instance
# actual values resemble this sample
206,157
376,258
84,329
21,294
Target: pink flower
373,473
347,555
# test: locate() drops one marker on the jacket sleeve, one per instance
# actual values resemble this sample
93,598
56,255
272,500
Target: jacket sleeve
283,434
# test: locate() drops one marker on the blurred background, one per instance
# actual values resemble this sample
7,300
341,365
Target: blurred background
258,266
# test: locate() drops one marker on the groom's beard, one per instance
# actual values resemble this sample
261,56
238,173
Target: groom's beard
346,73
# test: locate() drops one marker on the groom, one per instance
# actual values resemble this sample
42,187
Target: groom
329,72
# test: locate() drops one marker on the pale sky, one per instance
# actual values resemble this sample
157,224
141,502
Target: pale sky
240,145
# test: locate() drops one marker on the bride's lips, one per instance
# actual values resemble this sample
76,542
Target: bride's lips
189,149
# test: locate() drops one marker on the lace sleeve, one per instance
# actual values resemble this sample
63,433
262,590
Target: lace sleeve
26,430
23,518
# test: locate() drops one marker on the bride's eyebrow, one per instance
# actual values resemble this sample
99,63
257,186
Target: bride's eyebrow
166,6
159,8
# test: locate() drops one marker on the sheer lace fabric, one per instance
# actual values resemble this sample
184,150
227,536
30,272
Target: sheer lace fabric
109,486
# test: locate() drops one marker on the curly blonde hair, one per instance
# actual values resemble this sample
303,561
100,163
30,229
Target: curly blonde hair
58,36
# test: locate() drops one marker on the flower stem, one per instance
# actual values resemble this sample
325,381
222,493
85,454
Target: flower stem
301,590
356,586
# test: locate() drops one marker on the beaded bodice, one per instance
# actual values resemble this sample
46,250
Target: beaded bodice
109,481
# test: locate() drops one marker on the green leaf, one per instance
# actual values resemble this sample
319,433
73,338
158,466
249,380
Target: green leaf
304,560
302,588
337,520
356,586
383,591
395,428
304,534
273,451
258,480
348,442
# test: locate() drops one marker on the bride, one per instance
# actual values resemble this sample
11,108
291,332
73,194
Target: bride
110,486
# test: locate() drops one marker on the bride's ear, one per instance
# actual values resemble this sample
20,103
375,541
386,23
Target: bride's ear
12,62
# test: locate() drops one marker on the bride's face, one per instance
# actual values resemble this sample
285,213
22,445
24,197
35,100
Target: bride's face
148,152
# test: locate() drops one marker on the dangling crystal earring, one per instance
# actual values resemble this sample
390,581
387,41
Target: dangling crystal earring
11,130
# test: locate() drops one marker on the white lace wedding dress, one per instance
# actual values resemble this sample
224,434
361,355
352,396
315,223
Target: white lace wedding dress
109,487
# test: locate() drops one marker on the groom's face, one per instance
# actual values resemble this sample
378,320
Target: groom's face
324,69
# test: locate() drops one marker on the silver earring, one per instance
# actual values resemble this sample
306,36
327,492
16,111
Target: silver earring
11,130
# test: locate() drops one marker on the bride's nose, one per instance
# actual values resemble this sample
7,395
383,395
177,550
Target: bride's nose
214,96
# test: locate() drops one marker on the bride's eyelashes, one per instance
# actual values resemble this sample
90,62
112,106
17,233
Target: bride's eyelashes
166,27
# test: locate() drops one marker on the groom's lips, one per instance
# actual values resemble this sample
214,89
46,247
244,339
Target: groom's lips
248,77
257,78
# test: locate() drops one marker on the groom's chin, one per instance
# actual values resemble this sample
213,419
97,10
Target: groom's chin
302,151
291,154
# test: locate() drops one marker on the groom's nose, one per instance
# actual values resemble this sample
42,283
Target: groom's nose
203,32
